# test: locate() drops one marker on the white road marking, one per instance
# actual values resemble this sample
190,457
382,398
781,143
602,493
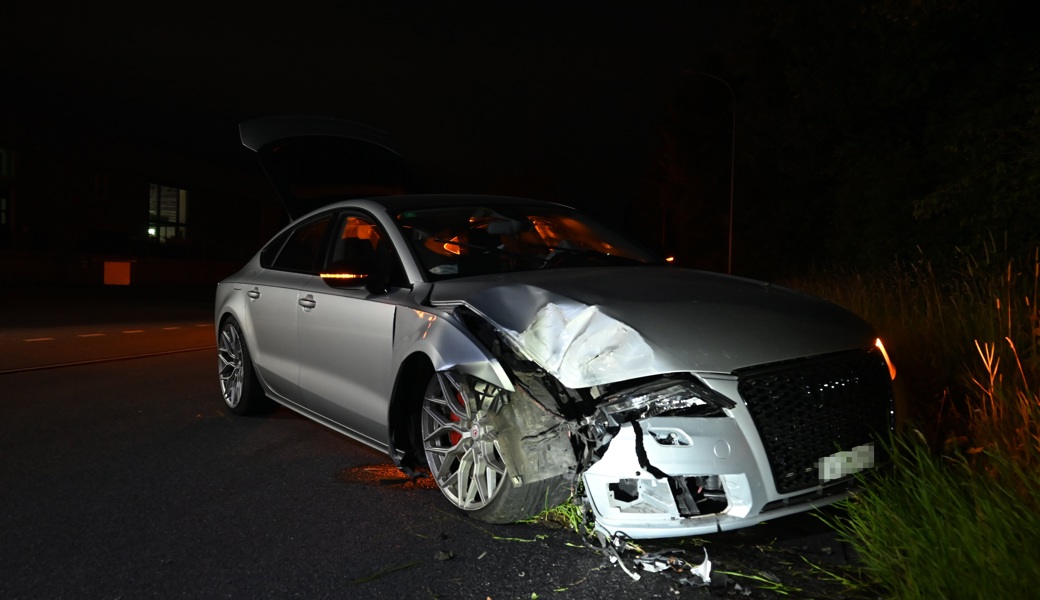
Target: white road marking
125,331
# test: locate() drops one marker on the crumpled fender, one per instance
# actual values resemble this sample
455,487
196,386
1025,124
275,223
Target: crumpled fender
447,344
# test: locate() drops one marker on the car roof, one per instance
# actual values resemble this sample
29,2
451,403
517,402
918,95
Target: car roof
410,202
420,201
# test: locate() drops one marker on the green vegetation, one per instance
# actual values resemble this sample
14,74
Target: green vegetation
569,515
958,514
766,583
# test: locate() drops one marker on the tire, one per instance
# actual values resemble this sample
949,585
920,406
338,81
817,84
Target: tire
464,447
239,384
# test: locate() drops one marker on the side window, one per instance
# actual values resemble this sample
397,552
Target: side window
270,251
356,247
361,254
304,251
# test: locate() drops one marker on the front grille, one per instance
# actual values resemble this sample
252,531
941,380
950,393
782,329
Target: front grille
810,408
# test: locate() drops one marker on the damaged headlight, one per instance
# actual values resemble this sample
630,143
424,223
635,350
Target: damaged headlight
665,397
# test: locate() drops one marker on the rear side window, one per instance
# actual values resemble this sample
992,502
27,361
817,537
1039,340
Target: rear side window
270,251
304,250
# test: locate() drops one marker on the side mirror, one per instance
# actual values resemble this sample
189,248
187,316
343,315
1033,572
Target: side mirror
342,279
371,271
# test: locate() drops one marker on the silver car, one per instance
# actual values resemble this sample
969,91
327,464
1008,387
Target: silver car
521,353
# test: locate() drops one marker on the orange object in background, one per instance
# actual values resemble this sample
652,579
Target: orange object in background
117,272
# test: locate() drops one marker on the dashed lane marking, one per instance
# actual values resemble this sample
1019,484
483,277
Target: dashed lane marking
127,331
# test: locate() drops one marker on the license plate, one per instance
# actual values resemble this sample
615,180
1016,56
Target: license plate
846,462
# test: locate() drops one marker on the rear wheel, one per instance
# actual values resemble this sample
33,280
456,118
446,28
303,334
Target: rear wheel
239,384
465,433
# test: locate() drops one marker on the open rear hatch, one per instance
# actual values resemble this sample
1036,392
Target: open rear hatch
314,161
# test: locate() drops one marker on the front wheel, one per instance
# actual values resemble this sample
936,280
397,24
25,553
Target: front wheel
465,433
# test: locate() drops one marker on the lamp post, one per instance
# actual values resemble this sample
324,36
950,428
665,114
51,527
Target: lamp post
732,164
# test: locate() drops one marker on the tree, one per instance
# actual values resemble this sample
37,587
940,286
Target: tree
868,129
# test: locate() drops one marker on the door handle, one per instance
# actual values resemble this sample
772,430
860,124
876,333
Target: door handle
308,301
254,294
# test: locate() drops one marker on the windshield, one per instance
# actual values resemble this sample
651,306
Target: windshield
460,241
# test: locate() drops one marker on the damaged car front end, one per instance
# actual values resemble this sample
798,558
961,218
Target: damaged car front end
523,354
720,464
684,451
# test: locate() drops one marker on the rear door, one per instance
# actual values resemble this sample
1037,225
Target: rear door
290,263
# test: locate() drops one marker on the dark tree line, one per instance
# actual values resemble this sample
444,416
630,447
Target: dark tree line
866,131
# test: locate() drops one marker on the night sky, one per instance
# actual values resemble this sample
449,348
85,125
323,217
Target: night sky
893,122
559,100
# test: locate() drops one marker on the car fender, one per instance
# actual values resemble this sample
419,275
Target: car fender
446,343
230,303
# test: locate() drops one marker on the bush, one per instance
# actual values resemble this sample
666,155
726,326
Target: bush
958,514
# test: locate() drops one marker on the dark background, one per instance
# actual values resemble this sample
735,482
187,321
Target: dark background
861,132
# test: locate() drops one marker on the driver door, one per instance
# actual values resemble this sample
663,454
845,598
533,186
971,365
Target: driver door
345,334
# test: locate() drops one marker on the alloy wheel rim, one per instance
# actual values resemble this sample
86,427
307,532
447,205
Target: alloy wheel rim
230,361
461,446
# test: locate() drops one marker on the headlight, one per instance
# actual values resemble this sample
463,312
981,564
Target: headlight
888,361
665,397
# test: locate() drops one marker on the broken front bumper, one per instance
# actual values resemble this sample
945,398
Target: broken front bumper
716,479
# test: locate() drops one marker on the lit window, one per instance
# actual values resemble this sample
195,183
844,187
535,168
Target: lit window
167,213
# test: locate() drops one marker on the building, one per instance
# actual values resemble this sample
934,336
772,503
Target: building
90,204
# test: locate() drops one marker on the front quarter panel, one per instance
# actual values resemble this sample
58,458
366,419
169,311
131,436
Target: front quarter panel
446,343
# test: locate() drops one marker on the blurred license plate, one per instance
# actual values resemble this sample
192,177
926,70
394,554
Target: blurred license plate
846,462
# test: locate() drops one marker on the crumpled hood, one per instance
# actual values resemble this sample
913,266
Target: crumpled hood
594,326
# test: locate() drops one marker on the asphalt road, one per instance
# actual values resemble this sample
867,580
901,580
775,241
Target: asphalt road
122,476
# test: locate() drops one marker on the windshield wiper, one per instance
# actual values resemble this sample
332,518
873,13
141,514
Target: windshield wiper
594,256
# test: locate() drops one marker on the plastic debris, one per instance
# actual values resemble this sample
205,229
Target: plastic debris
672,562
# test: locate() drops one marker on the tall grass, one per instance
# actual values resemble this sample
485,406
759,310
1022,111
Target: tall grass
939,527
953,334
958,515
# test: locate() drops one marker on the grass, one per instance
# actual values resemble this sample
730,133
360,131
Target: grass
958,514
939,527
568,515
931,321
766,583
